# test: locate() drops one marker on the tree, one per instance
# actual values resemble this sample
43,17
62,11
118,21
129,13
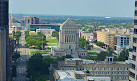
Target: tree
84,44
124,54
102,56
100,44
110,51
55,34
88,47
35,66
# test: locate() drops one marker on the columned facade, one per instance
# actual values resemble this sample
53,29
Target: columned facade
69,40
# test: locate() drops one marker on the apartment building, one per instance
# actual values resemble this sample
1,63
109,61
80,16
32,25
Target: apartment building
106,36
117,71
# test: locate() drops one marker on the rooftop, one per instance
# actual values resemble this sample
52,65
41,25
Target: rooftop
68,75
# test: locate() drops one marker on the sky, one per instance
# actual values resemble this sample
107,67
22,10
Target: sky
112,8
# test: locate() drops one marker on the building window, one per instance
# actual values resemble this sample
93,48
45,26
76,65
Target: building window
135,3
96,73
125,77
108,69
119,73
134,57
114,69
91,69
134,40
91,73
133,66
132,75
102,73
85,68
136,12
114,77
108,73
134,48
78,69
119,77
135,30
96,68
125,73
102,68
114,73
120,69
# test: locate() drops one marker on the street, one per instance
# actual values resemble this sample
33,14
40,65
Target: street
21,62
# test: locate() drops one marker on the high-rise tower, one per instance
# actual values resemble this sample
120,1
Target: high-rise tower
4,32
133,69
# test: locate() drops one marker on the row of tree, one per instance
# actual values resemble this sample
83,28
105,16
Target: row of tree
124,54
38,66
55,34
15,56
17,36
84,44
38,41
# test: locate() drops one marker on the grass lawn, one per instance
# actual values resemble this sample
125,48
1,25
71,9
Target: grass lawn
52,44
52,40
41,52
92,53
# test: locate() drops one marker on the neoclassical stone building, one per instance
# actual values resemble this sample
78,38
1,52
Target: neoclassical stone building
68,41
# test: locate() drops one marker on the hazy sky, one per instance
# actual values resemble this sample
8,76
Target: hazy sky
115,8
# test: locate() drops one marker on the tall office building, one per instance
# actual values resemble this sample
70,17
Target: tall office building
133,69
32,20
2,54
4,8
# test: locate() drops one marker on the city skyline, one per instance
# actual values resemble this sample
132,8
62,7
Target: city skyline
119,8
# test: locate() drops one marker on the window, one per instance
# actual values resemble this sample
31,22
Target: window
126,69
114,73
120,69
134,40
102,68
114,69
134,48
135,3
125,77
136,12
119,73
108,73
96,68
91,73
102,73
108,69
134,57
132,75
96,73
85,68
114,77
91,69
125,73
135,30
120,77
133,66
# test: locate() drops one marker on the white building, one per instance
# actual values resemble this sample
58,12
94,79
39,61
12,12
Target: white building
69,41
123,42
46,32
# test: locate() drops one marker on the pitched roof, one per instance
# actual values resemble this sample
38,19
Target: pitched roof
69,23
